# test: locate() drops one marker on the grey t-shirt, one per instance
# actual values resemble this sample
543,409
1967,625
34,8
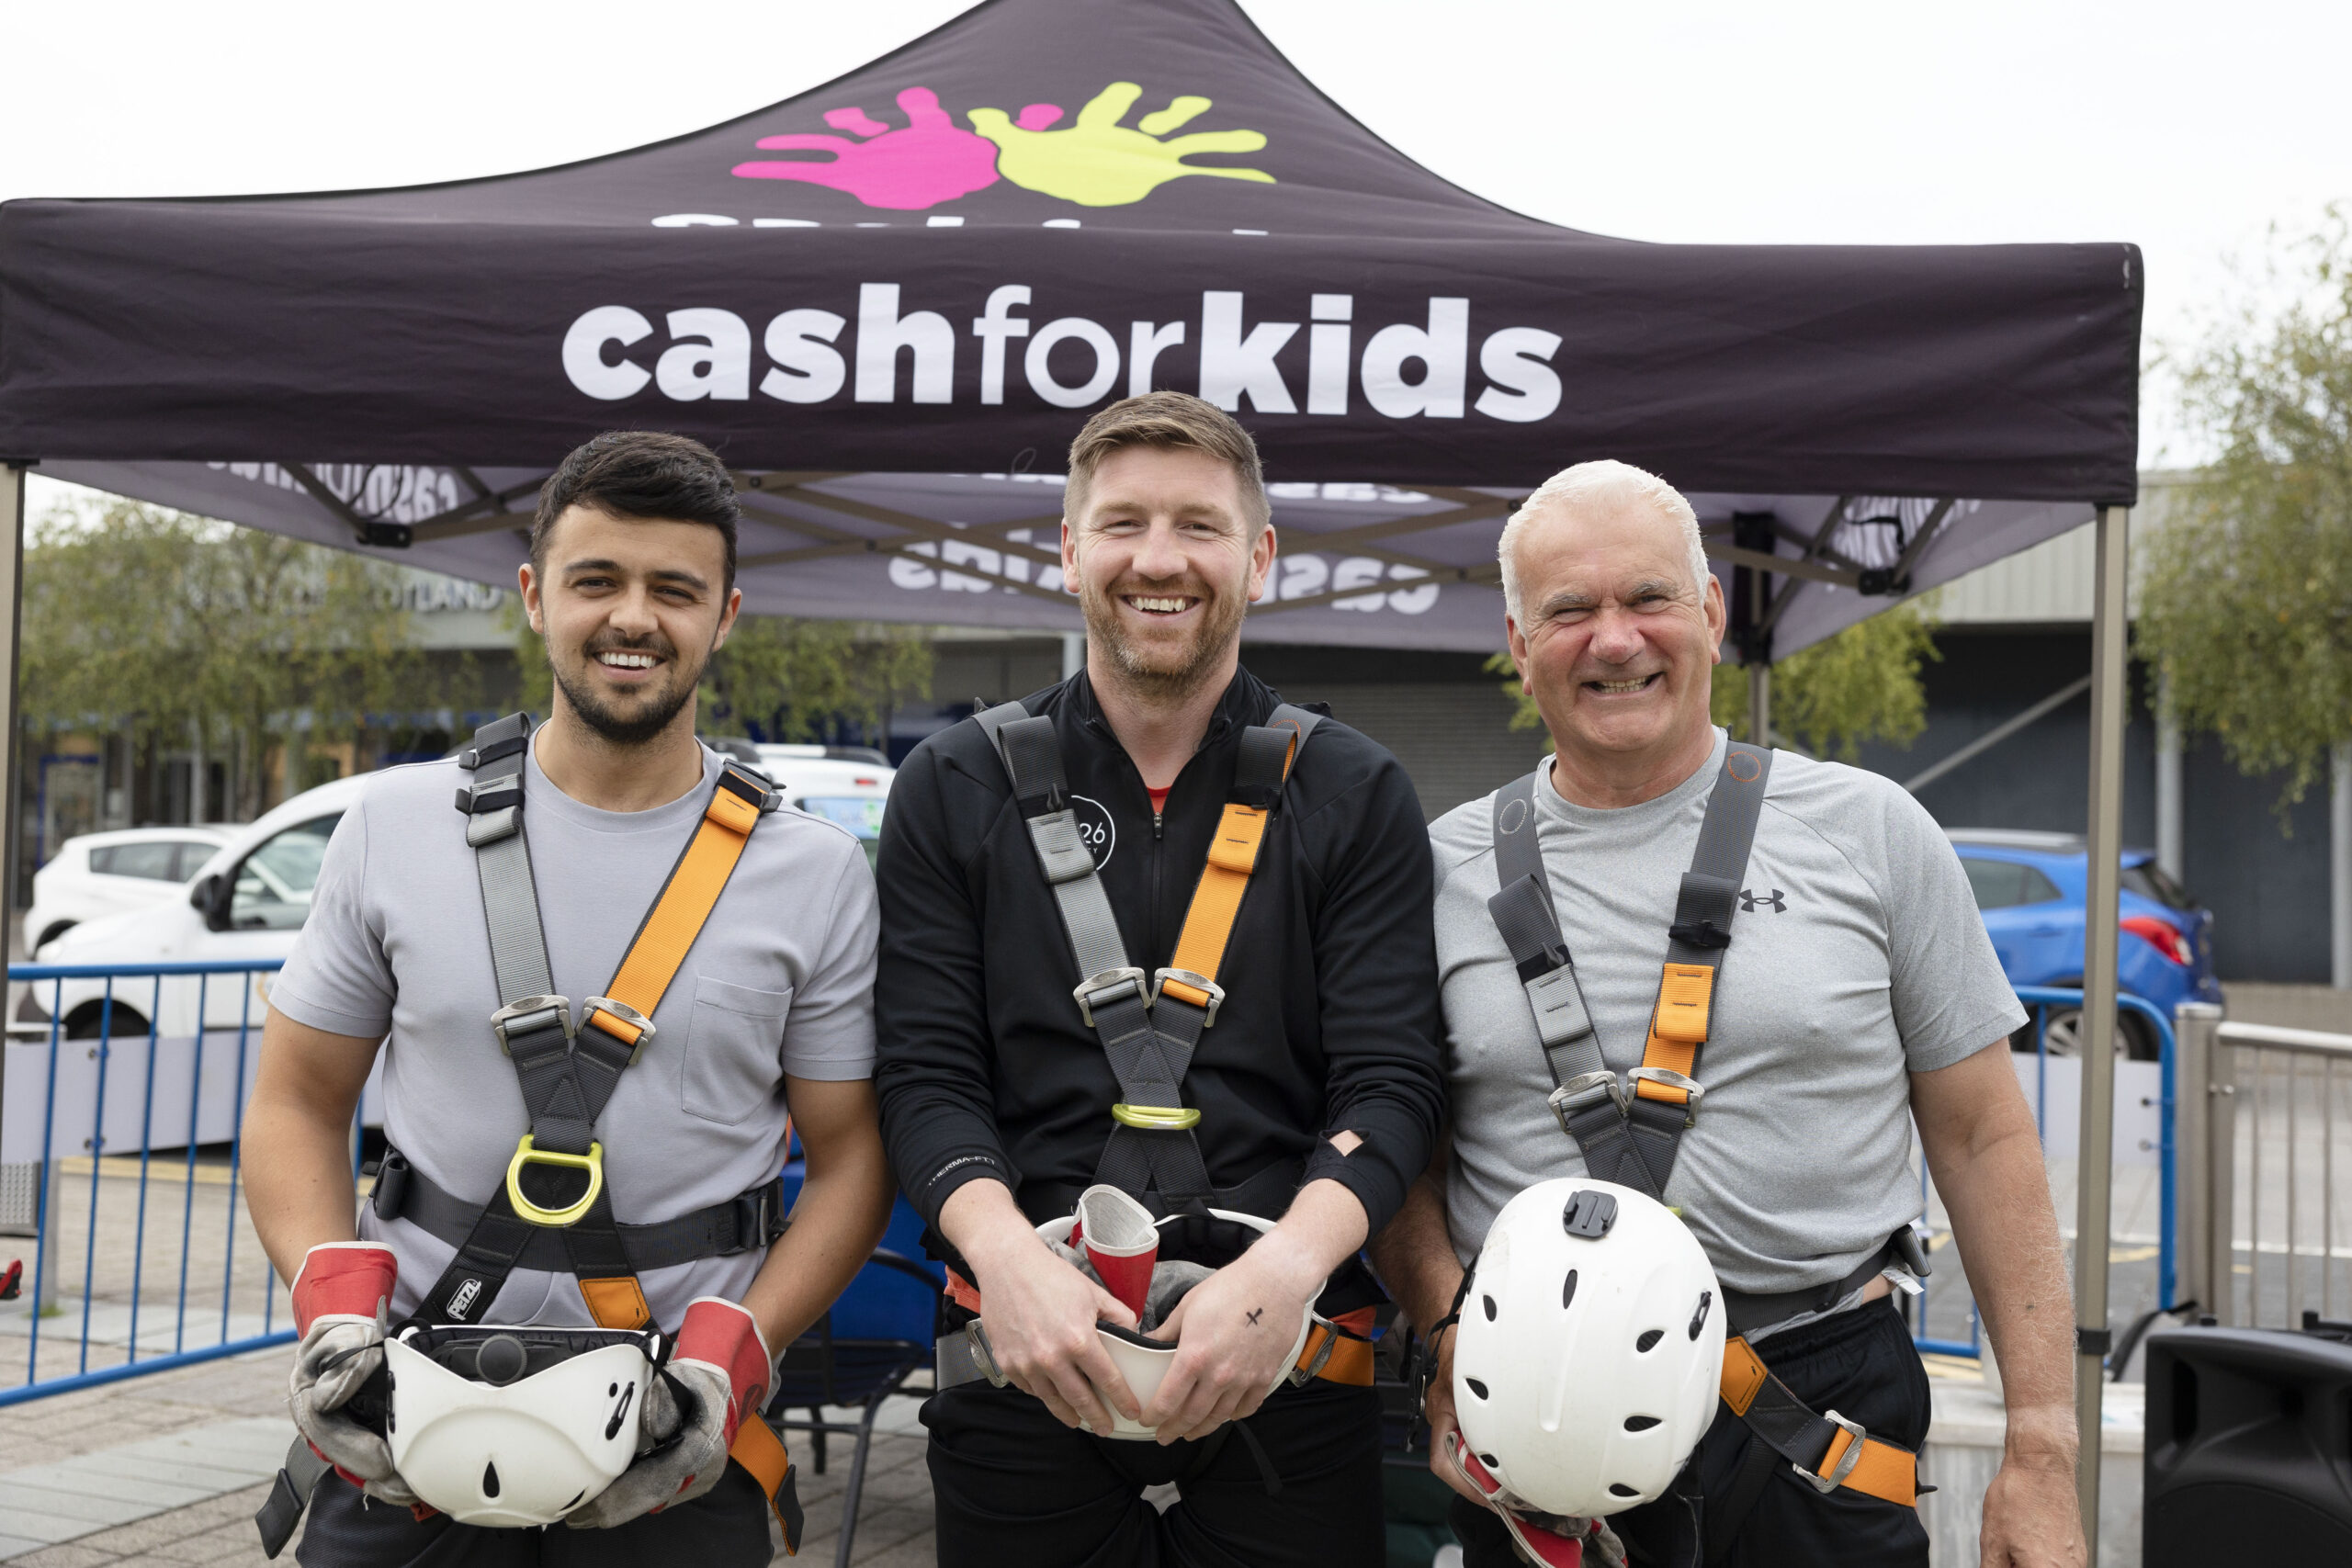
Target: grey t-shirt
1857,956
780,981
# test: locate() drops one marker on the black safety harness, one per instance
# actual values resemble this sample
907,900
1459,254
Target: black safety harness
553,1212
1630,1126
1149,1025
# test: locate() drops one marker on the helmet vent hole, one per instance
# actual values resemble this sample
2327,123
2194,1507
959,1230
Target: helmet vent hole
490,1481
1698,1319
575,1500
1476,1387
1619,1489
1567,1290
1648,1341
1488,1302
1640,1423
1492,1462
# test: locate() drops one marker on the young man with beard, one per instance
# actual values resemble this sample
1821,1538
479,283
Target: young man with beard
1311,1094
631,584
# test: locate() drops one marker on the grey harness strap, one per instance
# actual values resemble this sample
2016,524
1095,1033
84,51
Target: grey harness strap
1523,911
1148,1034
1625,1137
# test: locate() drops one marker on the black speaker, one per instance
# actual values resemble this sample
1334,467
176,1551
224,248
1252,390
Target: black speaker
2249,1449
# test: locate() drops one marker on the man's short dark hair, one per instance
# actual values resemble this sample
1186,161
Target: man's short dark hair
640,473
1169,421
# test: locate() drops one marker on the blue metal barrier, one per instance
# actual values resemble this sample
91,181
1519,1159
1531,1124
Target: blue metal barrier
189,1024
2040,1002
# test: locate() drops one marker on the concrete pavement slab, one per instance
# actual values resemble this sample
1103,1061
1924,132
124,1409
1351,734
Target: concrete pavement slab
96,1511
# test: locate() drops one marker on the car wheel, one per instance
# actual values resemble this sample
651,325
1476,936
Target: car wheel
82,1022
2063,1036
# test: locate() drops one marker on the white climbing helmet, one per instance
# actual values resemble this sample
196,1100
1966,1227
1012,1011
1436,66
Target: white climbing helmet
1589,1355
1144,1362
511,1427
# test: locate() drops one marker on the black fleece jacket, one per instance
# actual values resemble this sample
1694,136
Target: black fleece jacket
1330,1018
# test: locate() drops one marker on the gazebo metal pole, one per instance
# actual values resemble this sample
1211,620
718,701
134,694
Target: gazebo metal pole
2093,1167
12,594
1760,704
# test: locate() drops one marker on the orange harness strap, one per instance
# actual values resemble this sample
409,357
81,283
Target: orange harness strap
1677,1028
667,933
1216,898
1350,1362
680,912
1780,1419
761,1451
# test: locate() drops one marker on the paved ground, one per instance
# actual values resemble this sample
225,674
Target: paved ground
223,1418
206,1434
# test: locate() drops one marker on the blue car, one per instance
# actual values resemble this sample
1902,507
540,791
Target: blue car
2031,889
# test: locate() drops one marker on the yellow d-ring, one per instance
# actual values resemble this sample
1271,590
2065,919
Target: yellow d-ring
1156,1119
527,1152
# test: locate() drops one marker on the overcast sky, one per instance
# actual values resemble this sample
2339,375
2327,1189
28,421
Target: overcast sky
2187,129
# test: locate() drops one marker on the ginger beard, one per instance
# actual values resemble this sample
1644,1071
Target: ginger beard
1169,664
638,714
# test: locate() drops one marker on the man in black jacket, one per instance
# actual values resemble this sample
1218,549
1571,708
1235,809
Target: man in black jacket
1312,1096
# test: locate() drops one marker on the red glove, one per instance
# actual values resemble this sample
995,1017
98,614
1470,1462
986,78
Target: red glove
339,1293
722,1335
344,1279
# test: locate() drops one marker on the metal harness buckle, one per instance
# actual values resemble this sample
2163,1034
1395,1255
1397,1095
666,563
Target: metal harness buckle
528,1153
1110,985
983,1354
1583,1093
515,1018
1312,1367
752,1213
1201,983
621,1013
1826,1484
1690,1088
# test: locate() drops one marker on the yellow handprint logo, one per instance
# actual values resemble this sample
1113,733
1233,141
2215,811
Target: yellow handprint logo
1098,162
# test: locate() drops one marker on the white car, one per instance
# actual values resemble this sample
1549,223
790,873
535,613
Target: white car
844,785
252,894
248,899
107,873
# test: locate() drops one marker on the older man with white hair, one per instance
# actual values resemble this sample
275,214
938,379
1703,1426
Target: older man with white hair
1745,1022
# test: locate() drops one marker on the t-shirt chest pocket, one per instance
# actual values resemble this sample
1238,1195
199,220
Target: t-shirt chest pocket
733,1056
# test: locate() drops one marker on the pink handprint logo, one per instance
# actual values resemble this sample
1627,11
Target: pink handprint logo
922,164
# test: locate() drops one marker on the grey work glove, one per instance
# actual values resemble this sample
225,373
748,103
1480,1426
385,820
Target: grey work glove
1169,1281
341,1299
666,1472
721,1369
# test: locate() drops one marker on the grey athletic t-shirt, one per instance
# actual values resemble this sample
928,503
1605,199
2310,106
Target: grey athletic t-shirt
780,981
1857,956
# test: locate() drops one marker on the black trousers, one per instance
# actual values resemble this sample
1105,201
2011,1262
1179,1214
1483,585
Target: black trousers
726,1527
1860,1363
1296,1485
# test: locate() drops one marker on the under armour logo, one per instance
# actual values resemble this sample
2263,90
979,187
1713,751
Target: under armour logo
1777,904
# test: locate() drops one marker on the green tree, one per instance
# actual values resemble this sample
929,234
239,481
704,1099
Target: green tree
795,680
181,631
2245,593
1861,684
